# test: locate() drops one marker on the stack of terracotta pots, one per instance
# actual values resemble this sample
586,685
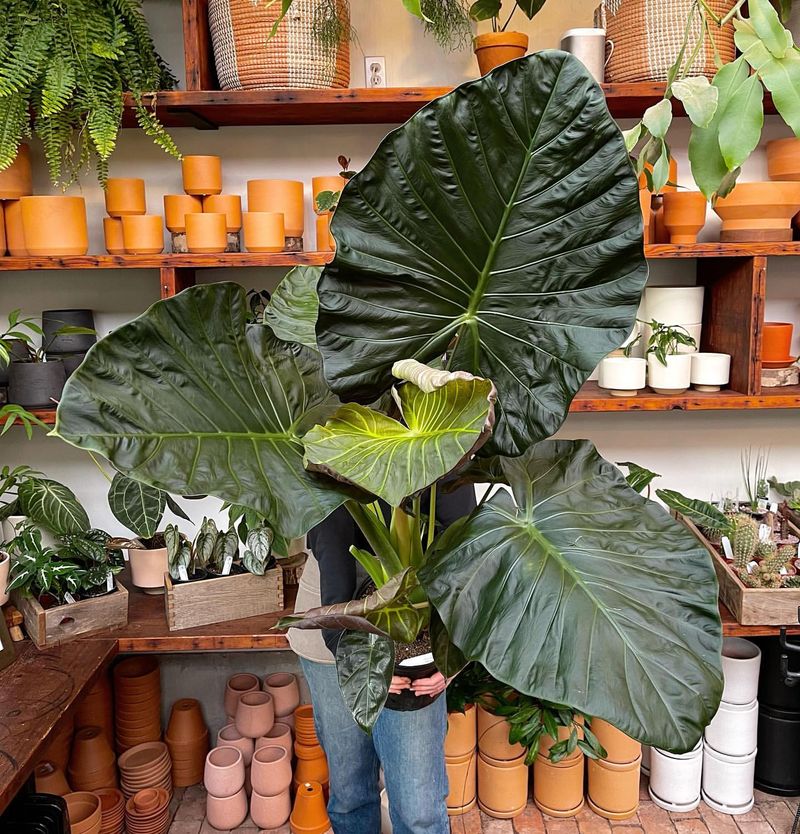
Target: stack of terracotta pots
96,708
145,766
310,816
285,692
325,241
49,778
224,781
215,226
187,740
147,812
502,772
60,744
614,781
129,229
83,810
92,764
312,765
112,811
558,786
15,182
274,205
137,702
460,757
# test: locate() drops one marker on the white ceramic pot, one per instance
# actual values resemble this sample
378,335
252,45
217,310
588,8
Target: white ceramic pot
672,378
589,47
728,781
645,760
386,821
675,779
734,729
694,330
710,371
741,664
674,305
622,376
5,566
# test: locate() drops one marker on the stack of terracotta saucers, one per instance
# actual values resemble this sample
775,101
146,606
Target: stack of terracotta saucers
83,809
96,708
147,812
145,766
137,702
112,811
187,740
92,764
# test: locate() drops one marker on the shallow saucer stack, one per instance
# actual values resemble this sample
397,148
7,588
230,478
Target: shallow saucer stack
147,812
112,811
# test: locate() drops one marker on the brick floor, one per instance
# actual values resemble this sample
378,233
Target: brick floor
770,815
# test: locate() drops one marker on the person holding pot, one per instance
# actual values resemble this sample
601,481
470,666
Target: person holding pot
408,743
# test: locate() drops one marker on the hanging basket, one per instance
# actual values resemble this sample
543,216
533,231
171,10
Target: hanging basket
247,58
645,37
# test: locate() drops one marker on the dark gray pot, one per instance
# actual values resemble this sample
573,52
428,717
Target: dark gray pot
53,320
36,384
19,352
70,360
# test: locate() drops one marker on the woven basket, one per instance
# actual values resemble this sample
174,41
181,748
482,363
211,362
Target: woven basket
645,37
248,59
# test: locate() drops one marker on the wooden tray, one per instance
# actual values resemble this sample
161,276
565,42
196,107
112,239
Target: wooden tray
190,604
63,623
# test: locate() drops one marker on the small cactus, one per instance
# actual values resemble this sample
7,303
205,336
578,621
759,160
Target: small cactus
748,580
744,540
766,550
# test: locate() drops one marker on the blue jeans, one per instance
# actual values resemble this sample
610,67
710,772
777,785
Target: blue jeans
409,746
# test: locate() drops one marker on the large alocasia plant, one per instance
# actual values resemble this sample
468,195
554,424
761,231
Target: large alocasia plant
487,257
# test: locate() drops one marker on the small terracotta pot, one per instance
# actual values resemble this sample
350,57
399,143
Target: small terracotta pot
125,195
231,737
783,159
177,206
502,786
325,240
228,204
495,48
462,733
271,771
83,810
621,749
90,751
55,225
236,686
148,568
320,184
50,778
206,232
270,812
284,196
558,787
224,771
14,233
646,205
614,788
96,708
493,737
684,215
202,175
311,765
462,781
186,721
285,693
279,736
112,233
3,247
255,714
759,211
143,234
16,180
776,341
264,231
226,813
309,815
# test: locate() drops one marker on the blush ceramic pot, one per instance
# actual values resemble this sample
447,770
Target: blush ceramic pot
285,693
254,714
270,812
229,736
224,772
279,736
227,813
236,686
271,771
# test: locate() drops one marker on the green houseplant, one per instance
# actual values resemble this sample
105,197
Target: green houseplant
514,262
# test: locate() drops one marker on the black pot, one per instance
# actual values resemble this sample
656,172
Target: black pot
97,591
19,353
36,812
36,384
53,320
71,361
772,691
778,759
198,576
236,570
407,701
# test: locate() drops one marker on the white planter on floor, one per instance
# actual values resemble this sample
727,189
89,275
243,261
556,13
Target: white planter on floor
734,729
674,305
741,664
675,779
728,781
622,376
672,378
710,371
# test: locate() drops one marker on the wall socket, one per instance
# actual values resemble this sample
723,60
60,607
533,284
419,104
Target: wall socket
375,71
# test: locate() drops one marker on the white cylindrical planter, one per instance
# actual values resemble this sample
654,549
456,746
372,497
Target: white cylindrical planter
734,729
674,305
623,376
728,781
741,664
672,378
710,371
675,780
589,47
645,766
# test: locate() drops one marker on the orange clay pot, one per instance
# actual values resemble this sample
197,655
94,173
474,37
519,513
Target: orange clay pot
558,786
176,207
50,779
546,741
228,204
2,231
614,788
462,732
112,233
320,184
621,749
264,231
16,180
502,786
202,175
759,211
125,195
462,782
495,48
14,234
493,737
684,215
325,240
55,225
311,765
646,205
783,159
143,234
206,232
776,341
284,196
309,815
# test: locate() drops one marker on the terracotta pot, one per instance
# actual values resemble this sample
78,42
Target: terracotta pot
264,231
462,781
16,181
112,234
231,737
502,786
55,225
783,159
5,567
558,787
462,732
621,749
186,721
776,341
493,737
49,778
284,196
90,751
236,686
96,708
546,741
614,788
759,211
279,736
143,234
112,810
320,184
311,765
148,568
495,48
60,744
125,195
202,175
228,204
285,693
3,248
176,207
225,813
255,714
646,205
271,771
83,810
309,815
206,232
270,812
14,233
325,240
224,771
684,215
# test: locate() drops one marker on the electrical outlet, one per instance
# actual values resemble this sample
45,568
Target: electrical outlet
375,71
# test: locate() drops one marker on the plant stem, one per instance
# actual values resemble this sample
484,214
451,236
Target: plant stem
99,466
513,10
432,517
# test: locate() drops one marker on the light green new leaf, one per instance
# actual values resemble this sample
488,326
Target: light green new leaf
658,118
741,125
137,506
632,136
392,460
292,309
699,99
696,510
415,7
52,505
364,666
767,25
580,591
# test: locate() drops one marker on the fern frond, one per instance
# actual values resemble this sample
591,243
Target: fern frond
27,59
13,117
152,127
59,83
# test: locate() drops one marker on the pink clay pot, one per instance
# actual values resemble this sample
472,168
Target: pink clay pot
279,736
237,686
255,714
271,771
226,813
270,812
285,693
229,736
224,772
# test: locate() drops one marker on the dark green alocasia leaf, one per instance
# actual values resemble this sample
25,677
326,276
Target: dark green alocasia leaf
137,506
504,215
364,665
52,505
530,8
449,658
176,508
220,407
638,478
618,601
696,510
292,310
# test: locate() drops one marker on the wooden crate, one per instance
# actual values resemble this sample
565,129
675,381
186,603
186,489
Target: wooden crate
63,623
218,600
750,606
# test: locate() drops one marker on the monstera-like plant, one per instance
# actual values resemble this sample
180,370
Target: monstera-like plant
488,256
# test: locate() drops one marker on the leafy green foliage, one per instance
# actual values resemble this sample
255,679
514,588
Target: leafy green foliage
292,309
258,550
52,505
638,478
364,665
136,505
790,490
665,340
703,513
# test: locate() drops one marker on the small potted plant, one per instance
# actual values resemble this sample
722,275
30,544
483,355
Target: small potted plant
500,45
623,376
327,191
756,486
668,371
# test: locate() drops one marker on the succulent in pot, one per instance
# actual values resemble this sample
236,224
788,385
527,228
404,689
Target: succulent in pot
669,372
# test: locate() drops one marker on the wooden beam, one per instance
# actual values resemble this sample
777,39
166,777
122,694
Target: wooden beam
197,50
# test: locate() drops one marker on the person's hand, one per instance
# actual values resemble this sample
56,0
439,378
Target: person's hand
430,686
398,685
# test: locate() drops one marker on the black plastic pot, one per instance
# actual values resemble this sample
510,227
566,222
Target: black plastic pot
407,701
36,813
71,360
48,600
772,691
236,570
36,384
53,320
778,759
19,353
198,576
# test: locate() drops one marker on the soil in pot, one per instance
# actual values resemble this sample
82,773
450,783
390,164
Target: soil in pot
237,569
36,384
196,576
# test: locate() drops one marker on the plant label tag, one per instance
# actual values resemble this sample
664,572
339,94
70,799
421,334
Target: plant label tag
226,568
764,532
762,505
182,573
69,598
110,581
784,572
751,566
773,507
726,548
125,556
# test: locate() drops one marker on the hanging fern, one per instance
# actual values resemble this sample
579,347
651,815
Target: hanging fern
65,66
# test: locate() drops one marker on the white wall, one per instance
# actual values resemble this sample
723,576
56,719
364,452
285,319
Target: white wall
695,452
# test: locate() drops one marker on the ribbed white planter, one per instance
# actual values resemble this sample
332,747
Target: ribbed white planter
734,729
741,663
728,781
675,779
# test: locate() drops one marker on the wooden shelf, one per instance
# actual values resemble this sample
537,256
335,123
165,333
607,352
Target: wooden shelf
658,251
